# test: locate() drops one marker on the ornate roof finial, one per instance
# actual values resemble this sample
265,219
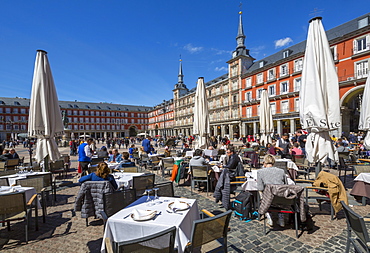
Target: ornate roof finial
181,75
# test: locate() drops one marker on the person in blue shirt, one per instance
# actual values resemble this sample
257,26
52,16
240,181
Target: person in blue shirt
131,150
101,174
116,157
146,144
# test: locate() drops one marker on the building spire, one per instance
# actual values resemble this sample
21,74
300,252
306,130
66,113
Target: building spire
240,38
181,75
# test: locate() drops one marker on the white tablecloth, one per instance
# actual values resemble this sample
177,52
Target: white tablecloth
14,177
290,165
29,192
365,177
125,178
113,166
119,228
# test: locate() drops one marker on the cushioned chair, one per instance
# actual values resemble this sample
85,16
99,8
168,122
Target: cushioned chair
141,183
357,224
163,241
209,229
165,189
13,207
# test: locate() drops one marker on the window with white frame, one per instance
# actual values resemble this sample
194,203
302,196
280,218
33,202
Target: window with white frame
87,127
16,127
259,92
249,112
235,85
285,106
23,127
248,96
260,78
271,74
75,127
103,127
75,120
262,64
258,110
248,82
7,110
97,120
284,87
296,105
108,114
272,90
102,120
97,113
97,127
92,127
297,84
284,70
273,108
92,120
2,127
15,118
225,88
81,127
286,54
81,120
86,120
87,113
333,50
234,70
363,22
362,69
298,65
81,113
75,112
23,111
361,44
92,113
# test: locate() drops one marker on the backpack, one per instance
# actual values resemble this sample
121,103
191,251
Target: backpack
243,205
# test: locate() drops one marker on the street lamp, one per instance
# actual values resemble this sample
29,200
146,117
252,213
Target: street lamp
10,123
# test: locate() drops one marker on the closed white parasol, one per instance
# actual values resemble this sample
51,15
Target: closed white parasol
266,122
201,116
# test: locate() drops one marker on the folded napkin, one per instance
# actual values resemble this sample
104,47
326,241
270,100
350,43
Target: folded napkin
141,214
180,205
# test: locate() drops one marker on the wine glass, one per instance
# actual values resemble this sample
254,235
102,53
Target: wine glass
148,199
156,198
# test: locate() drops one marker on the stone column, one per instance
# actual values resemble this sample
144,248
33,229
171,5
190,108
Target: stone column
231,132
222,130
279,128
255,128
292,126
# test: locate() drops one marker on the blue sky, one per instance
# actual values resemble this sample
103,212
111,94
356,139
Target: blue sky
127,52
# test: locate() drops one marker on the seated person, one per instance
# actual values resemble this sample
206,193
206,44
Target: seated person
141,151
103,153
342,148
5,156
116,157
270,149
167,153
13,154
101,174
197,159
126,162
271,175
296,150
131,150
247,148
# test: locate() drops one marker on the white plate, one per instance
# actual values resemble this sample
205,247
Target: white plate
179,206
149,216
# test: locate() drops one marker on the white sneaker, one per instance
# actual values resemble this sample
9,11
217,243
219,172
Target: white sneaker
281,221
269,220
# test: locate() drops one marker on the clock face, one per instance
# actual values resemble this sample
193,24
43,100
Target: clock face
234,54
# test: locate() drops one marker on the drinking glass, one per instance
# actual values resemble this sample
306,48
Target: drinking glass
148,199
156,198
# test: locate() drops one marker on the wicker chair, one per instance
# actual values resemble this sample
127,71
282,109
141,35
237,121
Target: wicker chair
154,163
38,184
141,183
200,174
165,189
49,184
209,229
163,241
116,201
58,168
2,166
167,165
302,164
356,223
130,169
4,181
12,163
13,207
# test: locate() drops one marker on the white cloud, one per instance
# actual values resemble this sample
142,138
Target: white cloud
219,51
192,49
282,42
221,69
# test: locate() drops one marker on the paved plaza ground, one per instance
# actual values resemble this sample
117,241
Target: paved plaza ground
65,230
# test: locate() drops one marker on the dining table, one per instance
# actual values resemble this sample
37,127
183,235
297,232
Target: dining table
125,179
29,192
123,227
361,187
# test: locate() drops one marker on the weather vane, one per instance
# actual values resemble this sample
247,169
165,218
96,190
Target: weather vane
240,7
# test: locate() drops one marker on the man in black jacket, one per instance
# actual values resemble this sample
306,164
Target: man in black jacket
232,159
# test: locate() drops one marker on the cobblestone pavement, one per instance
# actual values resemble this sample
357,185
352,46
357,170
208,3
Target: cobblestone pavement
65,231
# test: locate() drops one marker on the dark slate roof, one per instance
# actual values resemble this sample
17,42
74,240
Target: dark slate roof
79,105
216,80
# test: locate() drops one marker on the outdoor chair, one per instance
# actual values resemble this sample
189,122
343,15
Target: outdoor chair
343,166
67,162
209,229
253,156
13,207
136,157
357,224
154,163
361,169
141,183
200,174
49,185
58,167
320,194
279,204
144,160
12,164
2,166
116,201
130,169
4,182
163,241
38,184
95,161
167,165
165,189
302,164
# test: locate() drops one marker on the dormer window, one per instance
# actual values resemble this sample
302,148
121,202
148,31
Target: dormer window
363,22
16,103
286,54
262,64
